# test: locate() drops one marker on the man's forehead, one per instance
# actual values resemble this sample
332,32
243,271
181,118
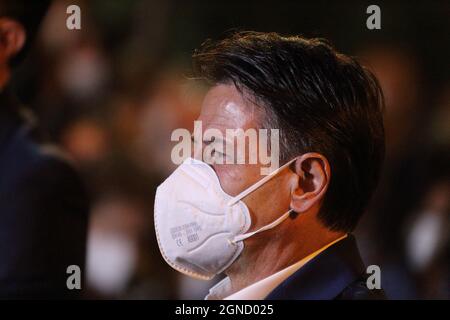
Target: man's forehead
224,107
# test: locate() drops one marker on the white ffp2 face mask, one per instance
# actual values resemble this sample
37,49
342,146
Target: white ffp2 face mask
199,227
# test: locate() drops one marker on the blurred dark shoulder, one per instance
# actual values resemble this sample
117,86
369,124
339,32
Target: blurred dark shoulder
25,155
43,211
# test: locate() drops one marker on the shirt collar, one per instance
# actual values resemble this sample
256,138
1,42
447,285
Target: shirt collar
259,290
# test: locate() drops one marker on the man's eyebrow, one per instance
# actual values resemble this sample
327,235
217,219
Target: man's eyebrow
213,139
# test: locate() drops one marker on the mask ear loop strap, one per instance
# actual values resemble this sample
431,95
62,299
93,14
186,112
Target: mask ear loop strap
269,226
258,184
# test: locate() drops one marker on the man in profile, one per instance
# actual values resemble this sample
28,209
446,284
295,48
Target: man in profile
328,109
43,205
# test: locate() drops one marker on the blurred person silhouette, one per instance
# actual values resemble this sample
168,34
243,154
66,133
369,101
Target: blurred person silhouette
405,223
123,260
397,72
43,203
426,232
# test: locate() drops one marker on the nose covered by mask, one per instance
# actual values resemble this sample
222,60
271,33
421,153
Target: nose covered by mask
199,227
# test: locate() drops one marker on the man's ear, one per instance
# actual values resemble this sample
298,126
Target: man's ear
12,39
313,171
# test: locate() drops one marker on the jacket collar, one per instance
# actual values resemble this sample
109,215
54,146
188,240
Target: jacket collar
325,276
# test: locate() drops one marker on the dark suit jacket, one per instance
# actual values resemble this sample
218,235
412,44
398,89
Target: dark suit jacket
43,214
336,273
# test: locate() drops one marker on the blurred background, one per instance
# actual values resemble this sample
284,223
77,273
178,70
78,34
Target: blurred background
111,93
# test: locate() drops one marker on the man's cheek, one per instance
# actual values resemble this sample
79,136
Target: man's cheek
231,179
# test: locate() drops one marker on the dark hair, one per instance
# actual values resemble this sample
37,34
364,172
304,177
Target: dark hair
30,14
321,100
